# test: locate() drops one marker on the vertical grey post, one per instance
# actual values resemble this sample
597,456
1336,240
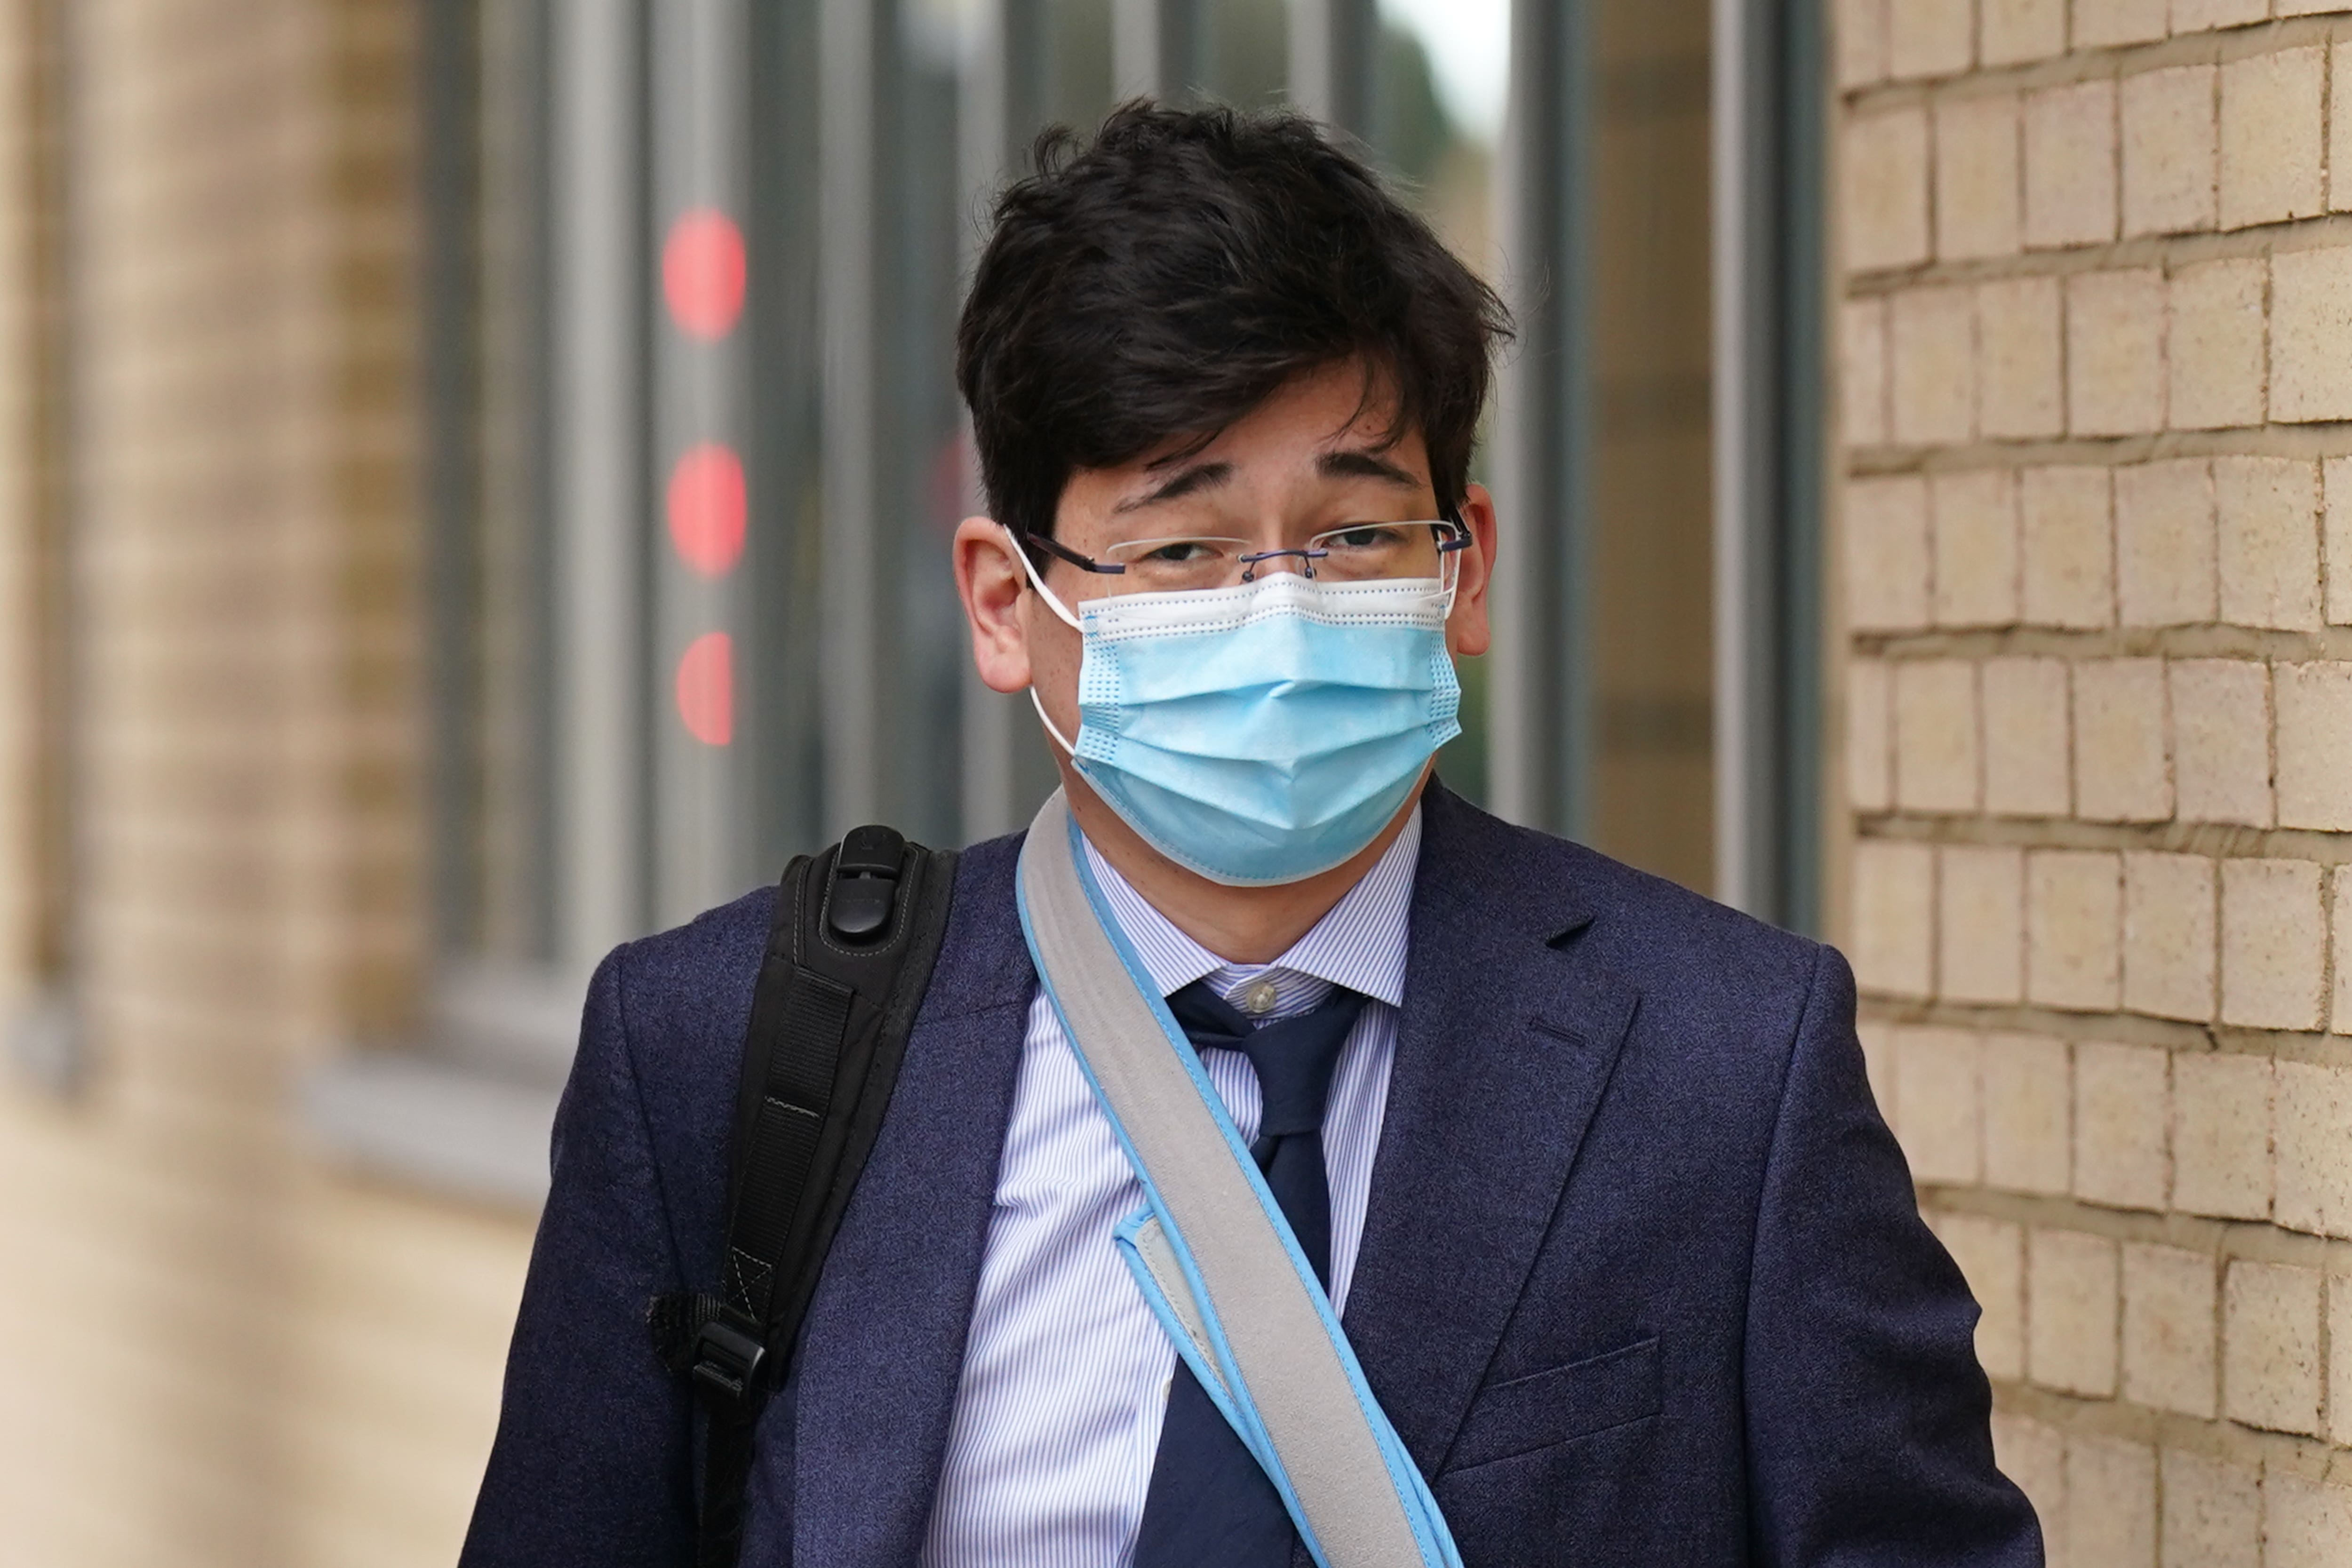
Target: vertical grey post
851,660
1002,103
1333,46
1541,690
597,477
1155,48
1769,384
699,794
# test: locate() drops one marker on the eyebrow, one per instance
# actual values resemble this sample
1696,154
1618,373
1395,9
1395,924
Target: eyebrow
1361,465
1187,481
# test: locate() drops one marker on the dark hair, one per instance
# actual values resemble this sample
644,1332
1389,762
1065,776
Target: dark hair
1170,277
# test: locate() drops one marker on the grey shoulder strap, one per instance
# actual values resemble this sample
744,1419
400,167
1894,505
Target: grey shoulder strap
1272,1324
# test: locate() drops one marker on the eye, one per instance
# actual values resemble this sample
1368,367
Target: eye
1363,536
1182,552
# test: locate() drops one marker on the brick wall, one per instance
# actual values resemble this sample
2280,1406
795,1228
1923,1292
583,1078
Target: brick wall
214,1351
2096,340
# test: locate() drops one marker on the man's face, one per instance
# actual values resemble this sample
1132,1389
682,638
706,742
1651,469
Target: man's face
1313,457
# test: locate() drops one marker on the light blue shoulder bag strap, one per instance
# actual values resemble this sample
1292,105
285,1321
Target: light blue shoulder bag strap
1211,1253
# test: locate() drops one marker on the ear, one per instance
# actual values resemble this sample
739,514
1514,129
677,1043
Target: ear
1466,630
988,578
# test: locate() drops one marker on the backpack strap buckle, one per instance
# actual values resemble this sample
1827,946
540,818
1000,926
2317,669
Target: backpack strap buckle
727,1364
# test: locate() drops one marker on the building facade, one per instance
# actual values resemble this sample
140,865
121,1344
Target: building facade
2097,579
1928,469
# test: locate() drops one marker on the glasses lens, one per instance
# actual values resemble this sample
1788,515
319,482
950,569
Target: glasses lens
1174,565
1363,552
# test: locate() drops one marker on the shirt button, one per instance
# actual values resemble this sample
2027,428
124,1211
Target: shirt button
1259,1000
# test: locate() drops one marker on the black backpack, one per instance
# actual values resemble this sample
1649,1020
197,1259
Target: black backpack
850,951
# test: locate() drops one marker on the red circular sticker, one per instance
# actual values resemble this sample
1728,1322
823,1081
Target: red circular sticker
707,508
706,688
703,272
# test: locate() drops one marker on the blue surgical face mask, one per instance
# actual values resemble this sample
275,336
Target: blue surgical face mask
1265,732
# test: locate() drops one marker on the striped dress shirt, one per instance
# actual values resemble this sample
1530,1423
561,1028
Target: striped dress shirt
1065,1372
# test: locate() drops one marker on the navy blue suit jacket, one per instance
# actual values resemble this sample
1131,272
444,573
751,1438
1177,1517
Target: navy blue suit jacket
1642,1282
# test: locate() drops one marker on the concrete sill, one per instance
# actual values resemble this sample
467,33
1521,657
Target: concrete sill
465,1110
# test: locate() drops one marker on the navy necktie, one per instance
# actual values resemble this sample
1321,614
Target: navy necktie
1210,1506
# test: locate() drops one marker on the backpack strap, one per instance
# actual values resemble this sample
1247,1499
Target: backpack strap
855,934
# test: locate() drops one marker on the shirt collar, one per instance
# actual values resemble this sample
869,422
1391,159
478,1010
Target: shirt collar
1359,943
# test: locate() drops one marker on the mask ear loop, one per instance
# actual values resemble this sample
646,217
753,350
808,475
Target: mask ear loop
1054,602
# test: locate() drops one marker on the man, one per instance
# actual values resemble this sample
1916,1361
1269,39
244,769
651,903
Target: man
1587,1163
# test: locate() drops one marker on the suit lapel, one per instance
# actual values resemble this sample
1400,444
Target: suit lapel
1506,1041
884,1344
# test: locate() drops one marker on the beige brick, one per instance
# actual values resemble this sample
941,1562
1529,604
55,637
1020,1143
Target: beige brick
2070,165
2212,1513
2311,1121
1886,554
2070,1314
2114,352
2267,550
2169,1328
2338,529
2339,1361
1980,925
2273,941
1878,1061
2310,335
1973,512
2204,15
2272,111
2067,548
2168,147
2270,1346
1886,189
2110,1503
2120,1119
2033,1454
2010,32
2221,740
1931,358
1929,37
1991,1255
1976,180
1935,1090
2072,920
2101,23
2315,746
2340,1015
2020,390
2025,738
2305,1523
1936,757
2168,935
1862,383
2214,349
1869,736
2120,747
2164,543
1893,900
2339,126
2028,1109
1860,42
2222,1135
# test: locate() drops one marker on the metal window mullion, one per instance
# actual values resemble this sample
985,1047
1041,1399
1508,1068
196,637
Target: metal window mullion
1156,47
701,828
1002,103
1333,47
852,665
1767,432
1540,749
596,473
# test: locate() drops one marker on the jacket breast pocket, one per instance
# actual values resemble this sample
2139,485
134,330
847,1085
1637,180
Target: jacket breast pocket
1567,1402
